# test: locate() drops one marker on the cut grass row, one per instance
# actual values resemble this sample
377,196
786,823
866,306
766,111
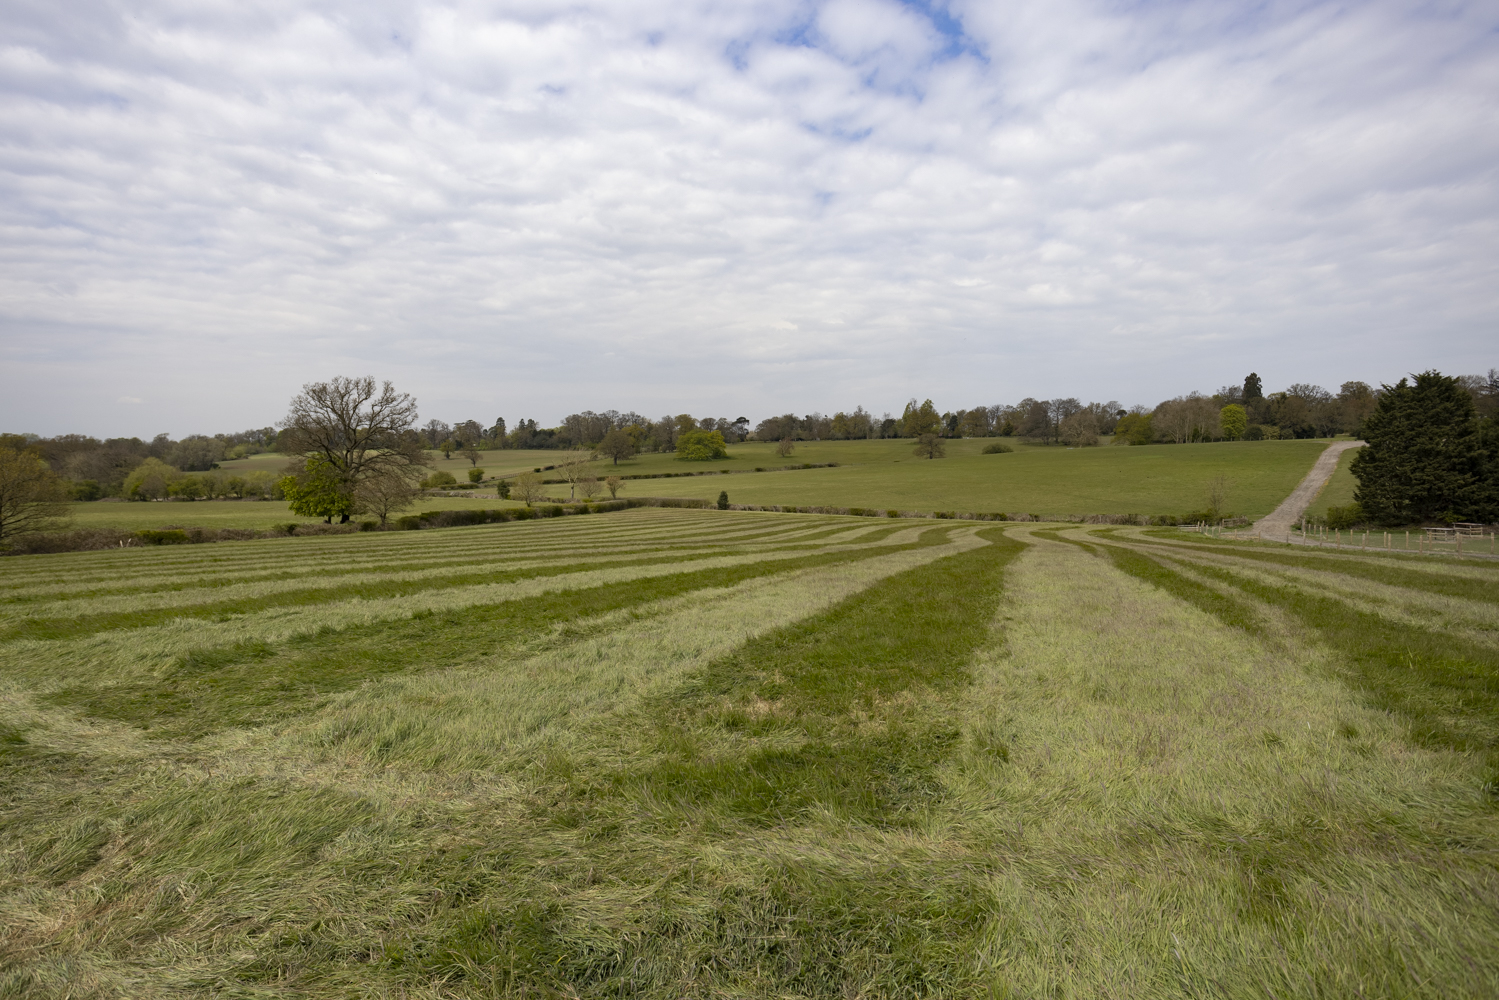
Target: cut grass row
888,759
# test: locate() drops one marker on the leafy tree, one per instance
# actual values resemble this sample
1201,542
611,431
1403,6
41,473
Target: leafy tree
476,475
1134,429
188,488
32,496
1356,401
472,454
1424,460
87,489
446,447
614,484
317,490
930,445
617,444
701,446
1234,420
723,499
919,420
151,480
502,489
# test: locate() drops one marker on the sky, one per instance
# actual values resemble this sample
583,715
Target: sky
526,209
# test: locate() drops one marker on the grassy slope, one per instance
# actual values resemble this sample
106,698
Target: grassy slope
679,753
1107,480
1339,489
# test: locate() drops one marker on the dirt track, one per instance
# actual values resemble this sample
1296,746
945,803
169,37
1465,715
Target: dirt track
1277,524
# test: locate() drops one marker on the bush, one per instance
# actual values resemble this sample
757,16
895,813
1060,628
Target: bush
369,525
87,489
154,537
997,449
701,446
723,499
475,475
438,480
1346,516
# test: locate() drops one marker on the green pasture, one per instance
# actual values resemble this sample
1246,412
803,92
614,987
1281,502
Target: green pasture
700,754
1158,479
1107,480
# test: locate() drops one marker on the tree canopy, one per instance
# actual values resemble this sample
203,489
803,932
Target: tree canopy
1424,460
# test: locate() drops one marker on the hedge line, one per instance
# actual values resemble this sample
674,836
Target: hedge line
110,538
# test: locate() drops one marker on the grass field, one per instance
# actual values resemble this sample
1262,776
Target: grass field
671,753
884,474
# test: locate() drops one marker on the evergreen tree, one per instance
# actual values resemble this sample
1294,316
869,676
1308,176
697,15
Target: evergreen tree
1425,460
1253,388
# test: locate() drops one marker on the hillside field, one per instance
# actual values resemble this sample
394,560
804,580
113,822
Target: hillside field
702,754
1159,479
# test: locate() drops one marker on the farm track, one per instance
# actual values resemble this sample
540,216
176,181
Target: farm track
689,753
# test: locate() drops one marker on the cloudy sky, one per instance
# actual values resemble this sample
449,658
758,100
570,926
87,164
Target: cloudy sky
529,208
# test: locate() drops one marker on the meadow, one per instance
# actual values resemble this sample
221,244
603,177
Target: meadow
679,753
1160,479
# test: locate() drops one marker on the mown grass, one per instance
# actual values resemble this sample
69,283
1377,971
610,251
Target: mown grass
817,757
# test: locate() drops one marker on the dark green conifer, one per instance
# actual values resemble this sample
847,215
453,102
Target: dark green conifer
1425,460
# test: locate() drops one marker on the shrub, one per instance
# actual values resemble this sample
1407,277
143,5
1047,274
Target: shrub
438,480
475,475
701,446
1346,516
154,537
87,489
723,499
369,525
997,449
408,523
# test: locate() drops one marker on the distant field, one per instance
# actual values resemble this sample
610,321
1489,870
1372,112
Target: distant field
1159,479
702,754
1106,480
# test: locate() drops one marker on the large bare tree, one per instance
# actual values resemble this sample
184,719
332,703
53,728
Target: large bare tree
355,427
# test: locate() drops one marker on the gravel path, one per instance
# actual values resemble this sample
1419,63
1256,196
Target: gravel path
1278,523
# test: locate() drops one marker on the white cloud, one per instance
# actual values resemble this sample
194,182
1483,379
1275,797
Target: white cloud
526,208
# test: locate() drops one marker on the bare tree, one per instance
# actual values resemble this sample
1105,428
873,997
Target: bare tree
384,493
32,497
589,487
1080,429
472,454
528,487
930,446
785,447
573,471
356,429
1217,495
614,484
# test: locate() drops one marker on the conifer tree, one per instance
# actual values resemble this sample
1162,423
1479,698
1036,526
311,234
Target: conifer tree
1424,460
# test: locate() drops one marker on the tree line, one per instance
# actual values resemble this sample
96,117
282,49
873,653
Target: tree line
354,445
